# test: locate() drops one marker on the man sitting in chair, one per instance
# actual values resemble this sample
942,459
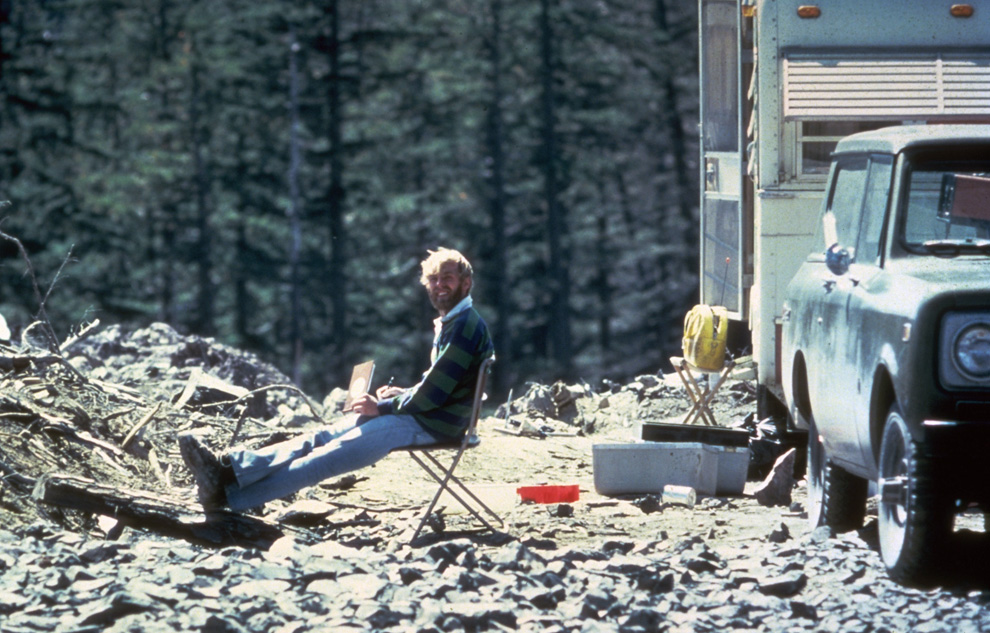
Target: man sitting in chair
436,410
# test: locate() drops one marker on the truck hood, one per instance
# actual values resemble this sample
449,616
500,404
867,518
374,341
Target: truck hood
964,275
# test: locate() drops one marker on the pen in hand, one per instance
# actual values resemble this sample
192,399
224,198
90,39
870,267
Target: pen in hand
387,390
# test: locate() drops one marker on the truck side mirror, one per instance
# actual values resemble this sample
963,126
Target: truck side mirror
837,259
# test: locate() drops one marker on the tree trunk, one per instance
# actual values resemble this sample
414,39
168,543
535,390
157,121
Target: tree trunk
163,515
166,283
169,210
559,312
497,266
204,260
603,264
294,213
670,313
242,300
241,274
4,19
337,273
685,195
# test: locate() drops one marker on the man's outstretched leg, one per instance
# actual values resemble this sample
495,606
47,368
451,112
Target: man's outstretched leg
245,479
293,465
214,473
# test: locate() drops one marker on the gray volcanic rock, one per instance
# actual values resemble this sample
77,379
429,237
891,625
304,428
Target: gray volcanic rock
57,580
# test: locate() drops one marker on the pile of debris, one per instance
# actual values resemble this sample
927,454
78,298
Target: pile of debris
620,411
615,409
92,425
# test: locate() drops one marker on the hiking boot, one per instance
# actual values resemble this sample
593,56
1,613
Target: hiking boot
207,470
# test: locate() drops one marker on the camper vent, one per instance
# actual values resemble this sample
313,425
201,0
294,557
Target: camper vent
933,87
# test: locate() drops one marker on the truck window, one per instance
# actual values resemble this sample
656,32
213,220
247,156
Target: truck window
926,219
846,200
921,220
874,208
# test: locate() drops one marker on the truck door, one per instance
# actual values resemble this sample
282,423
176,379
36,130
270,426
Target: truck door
869,327
849,324
722,156
834,353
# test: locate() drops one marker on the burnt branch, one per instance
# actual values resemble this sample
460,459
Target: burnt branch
42,313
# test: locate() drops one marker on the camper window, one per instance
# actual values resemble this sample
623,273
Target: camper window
817,139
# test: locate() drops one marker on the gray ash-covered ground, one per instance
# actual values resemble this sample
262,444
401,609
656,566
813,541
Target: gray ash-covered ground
597,564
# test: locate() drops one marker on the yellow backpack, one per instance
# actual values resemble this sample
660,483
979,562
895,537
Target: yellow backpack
705,330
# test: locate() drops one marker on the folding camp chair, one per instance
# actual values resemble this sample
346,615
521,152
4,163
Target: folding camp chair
444,475
701,396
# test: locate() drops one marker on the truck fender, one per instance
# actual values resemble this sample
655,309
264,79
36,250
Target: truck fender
797,392
882,396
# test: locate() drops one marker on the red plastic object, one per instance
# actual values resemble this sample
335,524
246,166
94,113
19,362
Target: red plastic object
549,494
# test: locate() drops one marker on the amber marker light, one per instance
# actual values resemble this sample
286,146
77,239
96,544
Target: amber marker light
808,11
962,10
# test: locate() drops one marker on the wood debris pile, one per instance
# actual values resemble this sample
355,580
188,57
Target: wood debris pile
89,424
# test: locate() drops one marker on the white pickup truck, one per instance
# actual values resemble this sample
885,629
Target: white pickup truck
885,350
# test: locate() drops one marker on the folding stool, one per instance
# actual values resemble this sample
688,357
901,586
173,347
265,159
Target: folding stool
701,396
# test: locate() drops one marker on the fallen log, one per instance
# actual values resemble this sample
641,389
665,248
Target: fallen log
144,510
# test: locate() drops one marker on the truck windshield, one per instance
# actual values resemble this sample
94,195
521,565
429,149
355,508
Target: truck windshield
947,204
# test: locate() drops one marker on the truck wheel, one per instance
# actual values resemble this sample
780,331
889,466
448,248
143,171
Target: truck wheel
835,497
914,516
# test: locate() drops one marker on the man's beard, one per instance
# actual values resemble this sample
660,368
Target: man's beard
446,304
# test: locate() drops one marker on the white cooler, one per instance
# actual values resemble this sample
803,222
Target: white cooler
646,467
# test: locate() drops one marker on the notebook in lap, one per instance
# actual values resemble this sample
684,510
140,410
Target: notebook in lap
360,382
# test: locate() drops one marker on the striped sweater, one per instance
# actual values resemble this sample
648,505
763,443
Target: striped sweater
442,400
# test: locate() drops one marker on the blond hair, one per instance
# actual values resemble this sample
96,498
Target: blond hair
431,265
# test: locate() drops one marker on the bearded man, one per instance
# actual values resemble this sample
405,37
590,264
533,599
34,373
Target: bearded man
436,409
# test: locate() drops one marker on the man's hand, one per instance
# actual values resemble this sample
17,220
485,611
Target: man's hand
365,405
388,391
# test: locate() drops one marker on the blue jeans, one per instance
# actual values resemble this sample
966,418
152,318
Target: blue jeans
284,468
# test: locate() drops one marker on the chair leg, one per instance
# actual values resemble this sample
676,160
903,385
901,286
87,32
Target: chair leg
699,397
445,485
712,390
455,479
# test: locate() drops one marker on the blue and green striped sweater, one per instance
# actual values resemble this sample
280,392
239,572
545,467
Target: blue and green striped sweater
442,400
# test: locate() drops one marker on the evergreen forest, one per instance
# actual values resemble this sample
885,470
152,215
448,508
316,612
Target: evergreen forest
271,174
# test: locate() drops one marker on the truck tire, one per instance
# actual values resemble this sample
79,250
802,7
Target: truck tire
835,497
915,516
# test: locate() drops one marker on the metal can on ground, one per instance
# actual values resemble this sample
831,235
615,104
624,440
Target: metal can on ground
680,495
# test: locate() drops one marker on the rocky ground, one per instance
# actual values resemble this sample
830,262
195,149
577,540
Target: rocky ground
341,557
